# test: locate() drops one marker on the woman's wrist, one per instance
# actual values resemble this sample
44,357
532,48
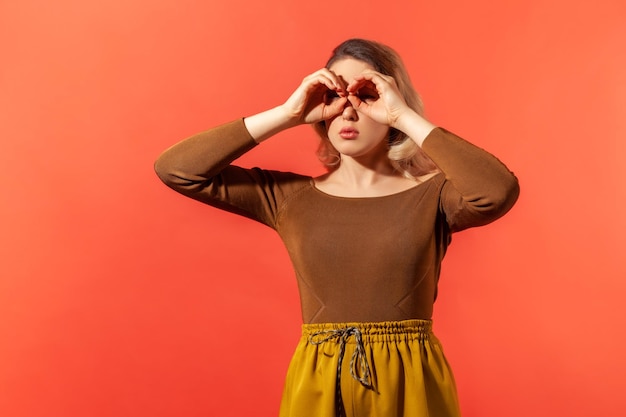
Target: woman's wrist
414,126
263,125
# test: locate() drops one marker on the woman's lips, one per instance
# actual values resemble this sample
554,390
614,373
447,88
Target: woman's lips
348,133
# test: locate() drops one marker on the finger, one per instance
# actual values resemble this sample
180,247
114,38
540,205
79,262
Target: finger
357,86
357,103
377,79
316,82
336,107
371,75
328,78
339,83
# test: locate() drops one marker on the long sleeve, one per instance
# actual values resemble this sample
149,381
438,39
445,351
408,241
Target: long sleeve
478,188
187,166
199,168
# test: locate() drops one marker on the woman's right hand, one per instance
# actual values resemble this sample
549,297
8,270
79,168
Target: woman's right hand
320,96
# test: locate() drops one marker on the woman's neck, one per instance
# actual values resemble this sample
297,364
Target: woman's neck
363,174
353,179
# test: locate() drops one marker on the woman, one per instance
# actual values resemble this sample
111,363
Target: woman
366,239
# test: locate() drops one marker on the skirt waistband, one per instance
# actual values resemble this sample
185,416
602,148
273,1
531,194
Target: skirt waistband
374,331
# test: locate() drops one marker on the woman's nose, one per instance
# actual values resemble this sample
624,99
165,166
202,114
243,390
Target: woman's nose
349,112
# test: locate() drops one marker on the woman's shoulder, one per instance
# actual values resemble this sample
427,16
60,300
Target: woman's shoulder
286,181
285,177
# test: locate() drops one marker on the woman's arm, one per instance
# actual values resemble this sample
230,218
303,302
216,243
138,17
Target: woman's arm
478,189
264,125
203,155
188,165
200,167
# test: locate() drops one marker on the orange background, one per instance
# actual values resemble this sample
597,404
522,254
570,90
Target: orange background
120,298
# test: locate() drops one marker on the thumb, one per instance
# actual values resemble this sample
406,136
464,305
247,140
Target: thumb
357,103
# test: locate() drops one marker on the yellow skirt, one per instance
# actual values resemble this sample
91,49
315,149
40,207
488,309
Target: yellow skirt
387,369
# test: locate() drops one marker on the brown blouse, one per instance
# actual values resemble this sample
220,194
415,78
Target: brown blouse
356,259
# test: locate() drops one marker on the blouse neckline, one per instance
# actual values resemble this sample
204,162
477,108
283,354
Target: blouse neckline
380,197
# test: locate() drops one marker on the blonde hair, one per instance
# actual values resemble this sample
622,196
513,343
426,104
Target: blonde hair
404,154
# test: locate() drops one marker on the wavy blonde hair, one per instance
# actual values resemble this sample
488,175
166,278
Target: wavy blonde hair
404,154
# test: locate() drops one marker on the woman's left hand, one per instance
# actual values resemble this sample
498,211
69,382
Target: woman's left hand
377,96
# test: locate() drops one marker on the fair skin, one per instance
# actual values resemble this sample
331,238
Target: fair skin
358,106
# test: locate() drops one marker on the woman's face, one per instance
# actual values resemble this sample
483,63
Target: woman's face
352,133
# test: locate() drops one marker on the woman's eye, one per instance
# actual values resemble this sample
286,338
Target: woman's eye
331,96
368,95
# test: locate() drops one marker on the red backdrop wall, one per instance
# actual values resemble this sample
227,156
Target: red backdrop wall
120,298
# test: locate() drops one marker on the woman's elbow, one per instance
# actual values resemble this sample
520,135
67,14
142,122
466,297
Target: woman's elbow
164,170
503,198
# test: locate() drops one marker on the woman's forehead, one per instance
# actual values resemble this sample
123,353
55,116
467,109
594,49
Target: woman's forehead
348,68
